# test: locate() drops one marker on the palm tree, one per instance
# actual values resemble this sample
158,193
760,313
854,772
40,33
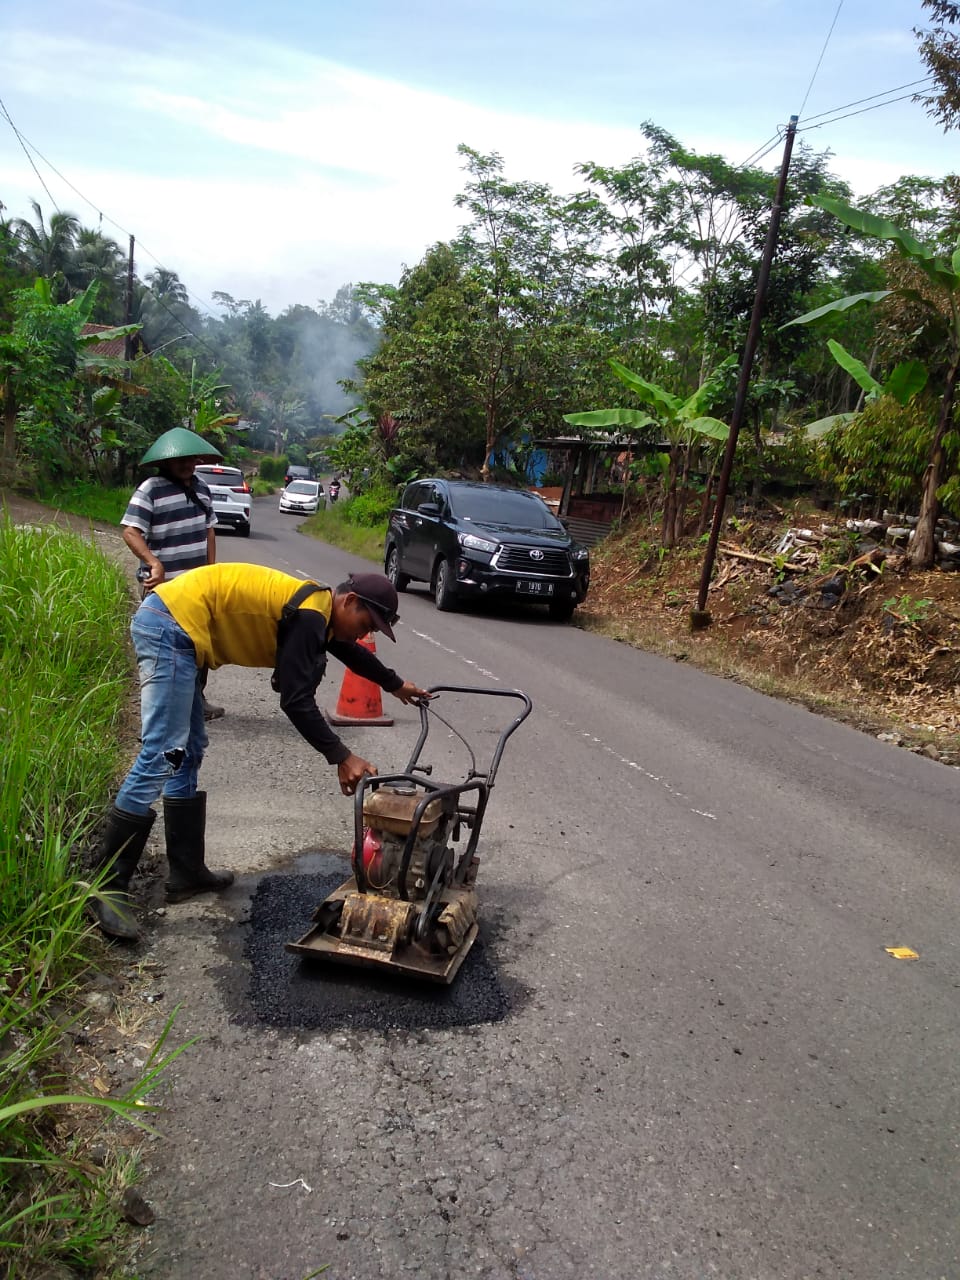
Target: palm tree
48,251
167,286
98,257
164,307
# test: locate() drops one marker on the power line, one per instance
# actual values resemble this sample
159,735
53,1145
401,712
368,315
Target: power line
820,59
833,120
26,143
20,139
896,88
762,150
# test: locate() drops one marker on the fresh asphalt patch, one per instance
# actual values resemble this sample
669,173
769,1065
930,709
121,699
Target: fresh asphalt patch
296,993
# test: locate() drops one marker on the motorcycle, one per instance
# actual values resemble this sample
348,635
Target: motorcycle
333,490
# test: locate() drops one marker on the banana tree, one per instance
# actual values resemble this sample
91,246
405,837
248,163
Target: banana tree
940,305
45,358
683,423
907,379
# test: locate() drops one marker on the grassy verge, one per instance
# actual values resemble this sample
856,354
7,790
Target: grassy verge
334,525
63,688
91,500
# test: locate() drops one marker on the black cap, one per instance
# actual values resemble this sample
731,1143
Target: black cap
380,596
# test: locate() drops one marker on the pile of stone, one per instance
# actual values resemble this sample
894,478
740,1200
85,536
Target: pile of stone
892,533
798,551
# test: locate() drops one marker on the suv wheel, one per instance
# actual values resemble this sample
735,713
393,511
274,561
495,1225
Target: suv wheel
561,610
400,580
444,592
243,530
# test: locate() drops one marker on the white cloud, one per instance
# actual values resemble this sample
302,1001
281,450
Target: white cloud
266,171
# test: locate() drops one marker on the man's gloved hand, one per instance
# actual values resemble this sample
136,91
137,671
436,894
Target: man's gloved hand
350,771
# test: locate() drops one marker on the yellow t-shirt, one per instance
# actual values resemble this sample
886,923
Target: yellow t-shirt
231,611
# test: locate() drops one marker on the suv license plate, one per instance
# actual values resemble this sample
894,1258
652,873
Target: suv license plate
531,588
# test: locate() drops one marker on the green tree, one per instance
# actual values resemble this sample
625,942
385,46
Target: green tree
48,250
940,51
49,377
98,258
940,328
488,338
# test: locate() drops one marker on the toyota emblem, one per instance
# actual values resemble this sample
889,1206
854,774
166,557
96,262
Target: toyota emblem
536,554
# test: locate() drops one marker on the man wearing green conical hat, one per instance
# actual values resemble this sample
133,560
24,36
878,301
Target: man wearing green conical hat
169,520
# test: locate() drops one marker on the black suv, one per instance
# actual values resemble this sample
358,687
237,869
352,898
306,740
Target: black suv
298,473
468,539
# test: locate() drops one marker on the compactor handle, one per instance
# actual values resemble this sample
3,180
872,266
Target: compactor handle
424,706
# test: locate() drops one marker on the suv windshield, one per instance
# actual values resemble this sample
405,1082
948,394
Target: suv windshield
497,507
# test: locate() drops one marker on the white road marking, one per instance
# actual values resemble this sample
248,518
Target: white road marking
422,635
631,764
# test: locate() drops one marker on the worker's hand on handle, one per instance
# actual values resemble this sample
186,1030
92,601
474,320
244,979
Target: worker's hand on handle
409,692
350,771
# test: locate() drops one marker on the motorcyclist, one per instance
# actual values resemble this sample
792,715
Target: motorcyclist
333,489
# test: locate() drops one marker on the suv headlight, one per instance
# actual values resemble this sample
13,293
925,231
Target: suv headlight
477,544
580,553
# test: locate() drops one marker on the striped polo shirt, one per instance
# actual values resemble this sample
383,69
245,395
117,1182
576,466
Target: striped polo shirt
173,527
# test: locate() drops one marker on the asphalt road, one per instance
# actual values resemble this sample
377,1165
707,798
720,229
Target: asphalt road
703,1061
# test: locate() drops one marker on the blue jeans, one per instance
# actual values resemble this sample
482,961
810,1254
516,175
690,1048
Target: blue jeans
173,735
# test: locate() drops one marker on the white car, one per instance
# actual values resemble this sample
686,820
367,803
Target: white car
232,499
302,497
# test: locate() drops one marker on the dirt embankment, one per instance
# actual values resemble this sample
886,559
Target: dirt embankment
850,632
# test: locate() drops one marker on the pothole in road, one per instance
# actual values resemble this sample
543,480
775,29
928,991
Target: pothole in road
286,991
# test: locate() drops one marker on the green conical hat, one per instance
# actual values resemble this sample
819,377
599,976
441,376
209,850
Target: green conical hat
180,443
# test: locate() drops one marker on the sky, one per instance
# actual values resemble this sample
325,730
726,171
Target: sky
278,149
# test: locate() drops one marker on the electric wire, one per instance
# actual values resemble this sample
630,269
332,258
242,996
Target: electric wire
27,146
26,143
834,119
870,98
820,59
20,138
762,150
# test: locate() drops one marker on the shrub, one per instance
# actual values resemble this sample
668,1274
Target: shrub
370,509
273,469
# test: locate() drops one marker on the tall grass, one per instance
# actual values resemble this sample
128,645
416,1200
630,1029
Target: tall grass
83,498
63,681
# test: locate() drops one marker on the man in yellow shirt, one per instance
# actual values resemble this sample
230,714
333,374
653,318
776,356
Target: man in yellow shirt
250,616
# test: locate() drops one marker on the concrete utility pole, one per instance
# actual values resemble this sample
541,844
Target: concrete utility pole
700,617
128,308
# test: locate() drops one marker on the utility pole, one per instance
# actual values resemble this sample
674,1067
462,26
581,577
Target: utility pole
700,617
128,308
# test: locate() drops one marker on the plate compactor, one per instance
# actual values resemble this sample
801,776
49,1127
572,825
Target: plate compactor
410,906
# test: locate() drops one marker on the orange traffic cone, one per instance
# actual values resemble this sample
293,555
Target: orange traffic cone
360,701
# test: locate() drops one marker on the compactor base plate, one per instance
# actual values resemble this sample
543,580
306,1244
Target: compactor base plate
411,959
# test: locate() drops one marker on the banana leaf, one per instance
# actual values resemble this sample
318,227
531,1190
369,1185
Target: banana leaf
906,380
647,391
712,427
856,368
813,430
610,418
870,224
841,304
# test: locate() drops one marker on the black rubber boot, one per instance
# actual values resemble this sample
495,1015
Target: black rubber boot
185,823
121,844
